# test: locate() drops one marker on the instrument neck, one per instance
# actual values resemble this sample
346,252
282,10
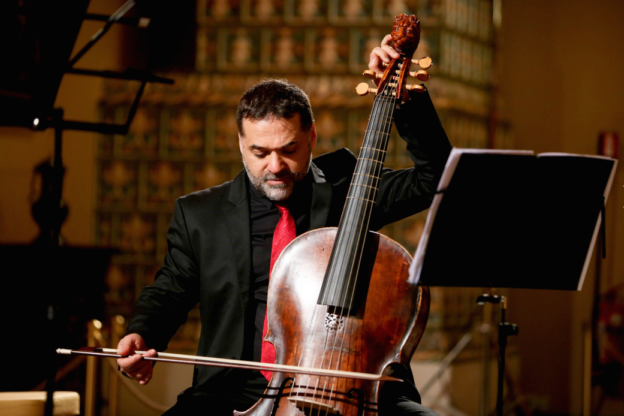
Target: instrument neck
344,262
365,183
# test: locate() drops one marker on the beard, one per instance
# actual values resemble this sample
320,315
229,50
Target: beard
279,192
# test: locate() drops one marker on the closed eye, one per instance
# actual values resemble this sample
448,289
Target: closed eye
290,148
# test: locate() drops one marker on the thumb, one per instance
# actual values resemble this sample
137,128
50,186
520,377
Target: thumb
123,347
137,343
129,344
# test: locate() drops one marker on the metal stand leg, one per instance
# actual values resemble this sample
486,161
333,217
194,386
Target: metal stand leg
505,329
53,247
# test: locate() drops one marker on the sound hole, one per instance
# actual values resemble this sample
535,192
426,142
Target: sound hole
333,322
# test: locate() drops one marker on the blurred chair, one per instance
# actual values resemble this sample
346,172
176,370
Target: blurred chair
27,403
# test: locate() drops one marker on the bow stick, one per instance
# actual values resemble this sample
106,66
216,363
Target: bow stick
223,362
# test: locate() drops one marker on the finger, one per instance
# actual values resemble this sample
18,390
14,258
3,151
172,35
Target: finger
146,379
129,363
381,53
375,63
125,346
139,372
386,40
390,51
144,374
151,353
137,342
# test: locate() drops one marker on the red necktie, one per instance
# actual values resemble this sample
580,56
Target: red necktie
285,232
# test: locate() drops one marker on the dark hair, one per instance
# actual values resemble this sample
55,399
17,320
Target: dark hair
274,98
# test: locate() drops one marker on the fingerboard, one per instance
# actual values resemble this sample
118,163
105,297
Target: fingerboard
339,285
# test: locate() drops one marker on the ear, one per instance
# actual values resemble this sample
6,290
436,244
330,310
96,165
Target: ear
312,136
240,143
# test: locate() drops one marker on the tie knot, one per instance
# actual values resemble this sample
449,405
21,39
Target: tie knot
282,206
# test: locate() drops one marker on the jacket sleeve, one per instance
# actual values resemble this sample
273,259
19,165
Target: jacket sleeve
164,306
406,192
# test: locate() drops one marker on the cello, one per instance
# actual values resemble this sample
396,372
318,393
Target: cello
339,298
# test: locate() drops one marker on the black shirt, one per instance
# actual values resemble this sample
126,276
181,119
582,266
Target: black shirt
264,216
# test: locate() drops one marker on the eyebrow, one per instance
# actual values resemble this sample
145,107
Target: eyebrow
261,148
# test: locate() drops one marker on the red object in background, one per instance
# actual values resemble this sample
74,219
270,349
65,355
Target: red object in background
610,328
608,144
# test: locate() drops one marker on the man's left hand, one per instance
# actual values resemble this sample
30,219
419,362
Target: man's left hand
384,53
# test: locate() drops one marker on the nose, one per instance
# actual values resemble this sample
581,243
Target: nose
276,163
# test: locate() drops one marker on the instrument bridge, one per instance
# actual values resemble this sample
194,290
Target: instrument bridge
312,408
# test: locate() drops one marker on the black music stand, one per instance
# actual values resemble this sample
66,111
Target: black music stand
512,219
40,54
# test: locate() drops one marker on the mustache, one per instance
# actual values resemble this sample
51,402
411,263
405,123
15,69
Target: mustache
271,176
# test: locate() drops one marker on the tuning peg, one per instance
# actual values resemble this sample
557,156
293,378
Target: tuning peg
363,89
372,74
424,63
420,74
417,88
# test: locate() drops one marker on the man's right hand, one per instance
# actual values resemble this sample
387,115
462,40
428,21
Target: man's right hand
134,365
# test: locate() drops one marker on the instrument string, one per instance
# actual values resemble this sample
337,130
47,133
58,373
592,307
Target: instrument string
370,192
347,214
372,156
371,160
381,139
360,166
319,311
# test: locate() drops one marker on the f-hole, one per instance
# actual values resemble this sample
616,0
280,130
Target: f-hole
357,394
280,393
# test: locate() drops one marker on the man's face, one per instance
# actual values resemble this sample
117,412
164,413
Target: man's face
276,154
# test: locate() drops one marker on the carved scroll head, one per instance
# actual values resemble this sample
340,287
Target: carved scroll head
406,33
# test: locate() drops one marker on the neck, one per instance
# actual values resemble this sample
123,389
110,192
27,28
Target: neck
346,255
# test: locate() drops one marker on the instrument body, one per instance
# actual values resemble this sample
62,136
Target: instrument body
386,327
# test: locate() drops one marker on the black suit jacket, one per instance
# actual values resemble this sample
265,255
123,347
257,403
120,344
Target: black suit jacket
209,242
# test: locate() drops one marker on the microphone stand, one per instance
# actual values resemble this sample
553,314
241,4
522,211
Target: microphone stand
53,234
505,329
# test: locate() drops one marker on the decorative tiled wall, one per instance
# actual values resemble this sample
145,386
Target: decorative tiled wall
184,137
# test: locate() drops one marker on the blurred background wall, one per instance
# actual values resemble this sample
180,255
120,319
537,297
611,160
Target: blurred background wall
555,104
542,76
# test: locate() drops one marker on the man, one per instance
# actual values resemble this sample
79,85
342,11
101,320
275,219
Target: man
220,239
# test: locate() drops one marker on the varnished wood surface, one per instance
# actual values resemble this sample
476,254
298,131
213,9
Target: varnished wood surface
386,329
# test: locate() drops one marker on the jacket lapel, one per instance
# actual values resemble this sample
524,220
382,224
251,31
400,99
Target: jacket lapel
321,199
236,214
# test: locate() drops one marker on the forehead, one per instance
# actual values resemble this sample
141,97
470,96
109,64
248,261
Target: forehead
273,128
